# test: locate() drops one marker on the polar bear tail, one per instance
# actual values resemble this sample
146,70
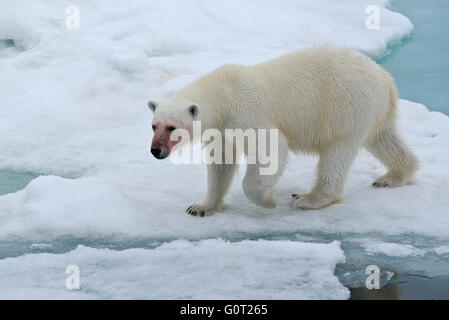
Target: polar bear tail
392,110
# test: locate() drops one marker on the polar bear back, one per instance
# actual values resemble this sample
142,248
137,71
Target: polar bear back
323,94
314,97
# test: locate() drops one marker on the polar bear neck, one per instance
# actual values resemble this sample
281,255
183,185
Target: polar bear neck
216,95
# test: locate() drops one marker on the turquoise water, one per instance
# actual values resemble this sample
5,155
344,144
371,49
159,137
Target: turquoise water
420,64
12,181
420,67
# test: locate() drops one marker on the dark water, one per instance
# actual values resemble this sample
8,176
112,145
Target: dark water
415,288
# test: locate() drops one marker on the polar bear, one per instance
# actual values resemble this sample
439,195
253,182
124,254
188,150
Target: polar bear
326,101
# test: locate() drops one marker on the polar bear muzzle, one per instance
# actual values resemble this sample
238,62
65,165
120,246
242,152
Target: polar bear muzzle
159,153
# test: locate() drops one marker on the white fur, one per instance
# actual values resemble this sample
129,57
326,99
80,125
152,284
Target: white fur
323,100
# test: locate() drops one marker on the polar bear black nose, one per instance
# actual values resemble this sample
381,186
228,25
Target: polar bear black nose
156,152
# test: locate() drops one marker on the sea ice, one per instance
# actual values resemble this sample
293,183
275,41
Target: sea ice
208,269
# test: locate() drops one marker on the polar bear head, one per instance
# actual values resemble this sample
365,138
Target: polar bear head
168,117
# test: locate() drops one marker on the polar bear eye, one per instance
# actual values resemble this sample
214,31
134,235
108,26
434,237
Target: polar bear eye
170,128
154,127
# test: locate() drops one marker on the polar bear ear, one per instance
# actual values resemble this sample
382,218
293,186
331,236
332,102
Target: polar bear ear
194,110
152,105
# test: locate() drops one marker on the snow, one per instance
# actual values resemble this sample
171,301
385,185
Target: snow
73,111
208,269
51,204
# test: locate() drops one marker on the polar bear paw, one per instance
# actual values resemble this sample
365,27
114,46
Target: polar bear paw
389,181
308,202
198,210
202,210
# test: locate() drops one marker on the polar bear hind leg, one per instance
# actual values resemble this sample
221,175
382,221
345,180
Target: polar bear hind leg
333,167
257,186
387,146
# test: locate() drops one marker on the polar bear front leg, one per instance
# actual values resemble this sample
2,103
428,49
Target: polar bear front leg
219,178
333,167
